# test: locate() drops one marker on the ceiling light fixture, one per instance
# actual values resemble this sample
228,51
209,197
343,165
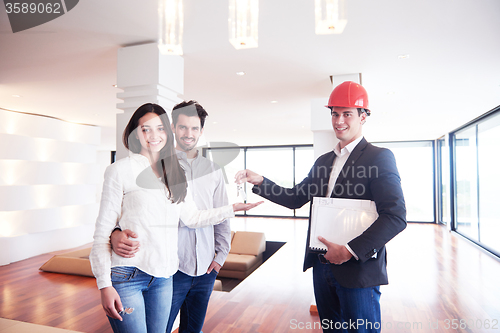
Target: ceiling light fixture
330,16
403,56
243,23
274,102
171,26
240,73
17,96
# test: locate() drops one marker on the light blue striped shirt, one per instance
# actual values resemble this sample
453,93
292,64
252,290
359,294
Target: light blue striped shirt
199,247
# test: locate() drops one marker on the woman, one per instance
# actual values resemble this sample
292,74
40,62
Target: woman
147,192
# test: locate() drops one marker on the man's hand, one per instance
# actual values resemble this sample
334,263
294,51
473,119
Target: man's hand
336,254
248,176
214,265
111,302
122,245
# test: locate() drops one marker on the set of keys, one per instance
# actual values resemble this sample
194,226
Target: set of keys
241,192
126,311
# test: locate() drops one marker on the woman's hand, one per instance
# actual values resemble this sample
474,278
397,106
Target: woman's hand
111,302
237,207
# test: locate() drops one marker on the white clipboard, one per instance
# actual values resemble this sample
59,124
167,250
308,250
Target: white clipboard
339,220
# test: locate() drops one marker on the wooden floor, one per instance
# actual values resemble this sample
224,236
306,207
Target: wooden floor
437,278
14,326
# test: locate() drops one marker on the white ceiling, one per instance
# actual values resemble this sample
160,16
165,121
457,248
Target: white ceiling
66,68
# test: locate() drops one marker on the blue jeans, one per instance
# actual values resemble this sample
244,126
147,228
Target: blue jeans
345,309
148,296
191,296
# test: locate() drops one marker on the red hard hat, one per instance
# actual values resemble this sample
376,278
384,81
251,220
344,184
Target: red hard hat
349,94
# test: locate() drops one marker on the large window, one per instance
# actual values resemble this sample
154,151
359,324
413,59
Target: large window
476,181
415,161
289,165
489,181
277,165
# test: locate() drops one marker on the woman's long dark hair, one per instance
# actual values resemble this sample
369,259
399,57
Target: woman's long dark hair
173,175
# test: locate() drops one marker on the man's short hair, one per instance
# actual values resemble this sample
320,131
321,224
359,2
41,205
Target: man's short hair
190,108
360,111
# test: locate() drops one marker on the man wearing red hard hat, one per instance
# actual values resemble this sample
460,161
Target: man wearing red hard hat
347,278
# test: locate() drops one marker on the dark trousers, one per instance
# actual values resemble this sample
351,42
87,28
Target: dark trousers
191,295
344,309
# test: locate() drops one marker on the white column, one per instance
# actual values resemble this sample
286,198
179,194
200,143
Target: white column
324,139
146,76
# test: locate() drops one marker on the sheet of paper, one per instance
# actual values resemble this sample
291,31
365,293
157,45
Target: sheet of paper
339,220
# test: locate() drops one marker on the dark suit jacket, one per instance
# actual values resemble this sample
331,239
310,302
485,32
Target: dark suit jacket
369,173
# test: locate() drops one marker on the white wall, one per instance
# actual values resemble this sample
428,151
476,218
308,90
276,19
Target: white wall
321,126
48,185
103,157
